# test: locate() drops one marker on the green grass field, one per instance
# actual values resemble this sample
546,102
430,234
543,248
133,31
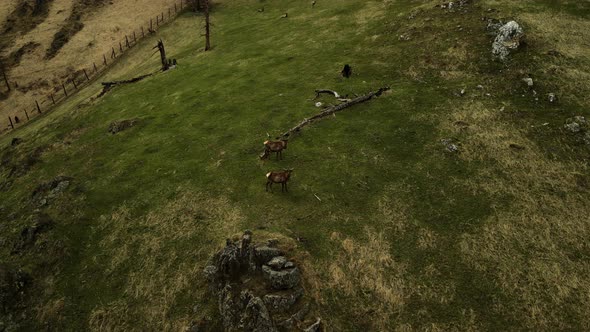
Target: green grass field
394,232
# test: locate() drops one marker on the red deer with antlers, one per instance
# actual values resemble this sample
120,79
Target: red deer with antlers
274,146
278,177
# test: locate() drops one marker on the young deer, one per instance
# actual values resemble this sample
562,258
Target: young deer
276,147
278,177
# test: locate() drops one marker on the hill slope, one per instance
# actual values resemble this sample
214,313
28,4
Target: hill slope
393,232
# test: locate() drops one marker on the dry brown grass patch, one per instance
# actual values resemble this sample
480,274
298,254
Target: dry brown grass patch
532,247
160,256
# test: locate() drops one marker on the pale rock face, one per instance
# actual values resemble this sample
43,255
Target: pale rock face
507,39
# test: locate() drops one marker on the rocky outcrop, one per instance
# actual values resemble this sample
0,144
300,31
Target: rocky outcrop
50,190
118,126
508,38
257,288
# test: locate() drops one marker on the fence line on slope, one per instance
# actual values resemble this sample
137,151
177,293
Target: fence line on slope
87,74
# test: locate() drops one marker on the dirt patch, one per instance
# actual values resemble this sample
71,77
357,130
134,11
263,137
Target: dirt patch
23,19
72,25
14,58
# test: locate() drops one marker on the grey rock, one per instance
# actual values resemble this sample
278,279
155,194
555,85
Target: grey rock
264,254
118,126
507,39
576,124
289,265
529,82
284,279
283,301
229,308
277,263
449,145
210,273
228,262
256,317
552,97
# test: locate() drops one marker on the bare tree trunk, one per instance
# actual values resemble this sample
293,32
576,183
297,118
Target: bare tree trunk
207,27
162,50
4,75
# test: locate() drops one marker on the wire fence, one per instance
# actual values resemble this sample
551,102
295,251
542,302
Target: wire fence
84,76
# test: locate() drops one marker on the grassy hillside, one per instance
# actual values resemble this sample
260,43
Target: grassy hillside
44,43
404,236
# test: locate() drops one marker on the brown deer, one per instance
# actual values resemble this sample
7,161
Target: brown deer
278,177
276,147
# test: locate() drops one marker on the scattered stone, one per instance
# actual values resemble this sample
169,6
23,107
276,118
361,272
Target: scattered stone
507,39
462,92
29,234
480,87
256,317
576,124
319,104
50,190
529,81
118,126
13,283
449,145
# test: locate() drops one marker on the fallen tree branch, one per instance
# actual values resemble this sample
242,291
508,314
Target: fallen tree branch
334,109
107,86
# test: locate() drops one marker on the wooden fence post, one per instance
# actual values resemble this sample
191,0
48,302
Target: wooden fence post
27,114
74,82
10,119
52,99
105,59
162,20
85,74
142,33
168,13
65,91
95,69
158,20
121,47
127,41
113,55
134,38
151,25
38,108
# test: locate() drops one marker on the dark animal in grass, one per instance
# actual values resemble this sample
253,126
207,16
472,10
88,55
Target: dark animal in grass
276,147
281,177
347,71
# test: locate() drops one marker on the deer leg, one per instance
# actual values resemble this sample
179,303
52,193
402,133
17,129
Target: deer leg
267,183
277,153
281,154
287,190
